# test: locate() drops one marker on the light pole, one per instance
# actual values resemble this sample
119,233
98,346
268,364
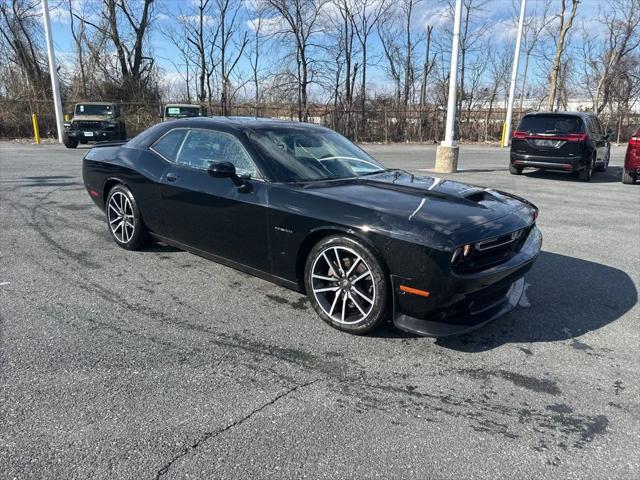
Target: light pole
55,87
514,73
447,152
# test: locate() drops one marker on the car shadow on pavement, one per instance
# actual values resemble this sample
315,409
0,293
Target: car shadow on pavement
612,175
565,298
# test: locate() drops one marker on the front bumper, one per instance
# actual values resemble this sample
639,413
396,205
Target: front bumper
476,299
93,135
566,164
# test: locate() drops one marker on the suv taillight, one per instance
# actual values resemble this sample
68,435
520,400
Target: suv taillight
575,137
519,134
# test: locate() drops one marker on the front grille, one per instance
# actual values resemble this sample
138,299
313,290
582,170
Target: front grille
87,124
493,251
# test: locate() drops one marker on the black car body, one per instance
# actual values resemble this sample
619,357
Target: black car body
561,141
416,228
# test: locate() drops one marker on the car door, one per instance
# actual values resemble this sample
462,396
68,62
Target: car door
216,215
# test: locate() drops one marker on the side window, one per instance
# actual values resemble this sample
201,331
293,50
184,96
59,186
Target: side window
169,144
201,147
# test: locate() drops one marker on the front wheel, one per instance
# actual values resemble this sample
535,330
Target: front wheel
513,170
124,219
346,284
70,142
605,164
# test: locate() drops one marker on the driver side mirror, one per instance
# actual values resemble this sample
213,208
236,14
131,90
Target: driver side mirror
228,170
222,169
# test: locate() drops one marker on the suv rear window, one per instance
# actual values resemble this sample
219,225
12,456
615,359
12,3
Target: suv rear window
551,124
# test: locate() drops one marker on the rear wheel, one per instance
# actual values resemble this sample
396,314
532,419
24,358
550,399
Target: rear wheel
346,285
124,219
628,177
585,174
513,170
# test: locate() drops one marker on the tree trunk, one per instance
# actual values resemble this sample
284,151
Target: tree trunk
560,47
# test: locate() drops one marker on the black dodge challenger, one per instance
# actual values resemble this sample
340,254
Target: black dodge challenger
303,207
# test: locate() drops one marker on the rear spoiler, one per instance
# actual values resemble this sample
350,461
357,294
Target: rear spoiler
100,153
109,143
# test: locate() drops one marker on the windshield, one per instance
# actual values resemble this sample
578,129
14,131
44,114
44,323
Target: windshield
551,124
181,112
302,154
94,109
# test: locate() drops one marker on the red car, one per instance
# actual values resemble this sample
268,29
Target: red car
631,171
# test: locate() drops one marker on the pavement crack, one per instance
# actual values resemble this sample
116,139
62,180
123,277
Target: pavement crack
210,435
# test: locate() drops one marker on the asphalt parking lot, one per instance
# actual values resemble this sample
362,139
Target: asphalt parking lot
160,364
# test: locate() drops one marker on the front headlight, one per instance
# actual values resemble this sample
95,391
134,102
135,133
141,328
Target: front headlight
463,251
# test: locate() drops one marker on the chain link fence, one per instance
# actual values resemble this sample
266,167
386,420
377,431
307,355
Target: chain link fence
375,124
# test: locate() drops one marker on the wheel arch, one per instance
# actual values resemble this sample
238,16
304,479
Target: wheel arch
108,185
318,234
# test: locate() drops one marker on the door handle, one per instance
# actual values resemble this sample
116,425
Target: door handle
171,177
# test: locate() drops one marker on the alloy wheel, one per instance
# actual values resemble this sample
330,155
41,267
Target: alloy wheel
121,218
343,285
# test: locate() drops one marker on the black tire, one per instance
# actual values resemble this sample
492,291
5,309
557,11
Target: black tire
132,237
123,132
70,142
585,174
357,316
513,170
628,177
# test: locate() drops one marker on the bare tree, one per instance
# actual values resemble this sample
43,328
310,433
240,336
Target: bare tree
622,39
127,26
21,42
229,50
561,29
254,48
533,28
366,16
300,21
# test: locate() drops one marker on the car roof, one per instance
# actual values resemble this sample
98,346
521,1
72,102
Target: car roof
96,103
233,125
182,105
240,123
568,114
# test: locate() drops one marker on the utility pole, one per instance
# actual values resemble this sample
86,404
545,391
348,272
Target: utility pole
447,152
506,131
55,86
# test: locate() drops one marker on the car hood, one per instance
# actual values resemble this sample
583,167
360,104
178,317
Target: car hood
93,118
444,205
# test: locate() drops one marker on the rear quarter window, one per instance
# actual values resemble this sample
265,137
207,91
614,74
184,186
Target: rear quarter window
169,144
